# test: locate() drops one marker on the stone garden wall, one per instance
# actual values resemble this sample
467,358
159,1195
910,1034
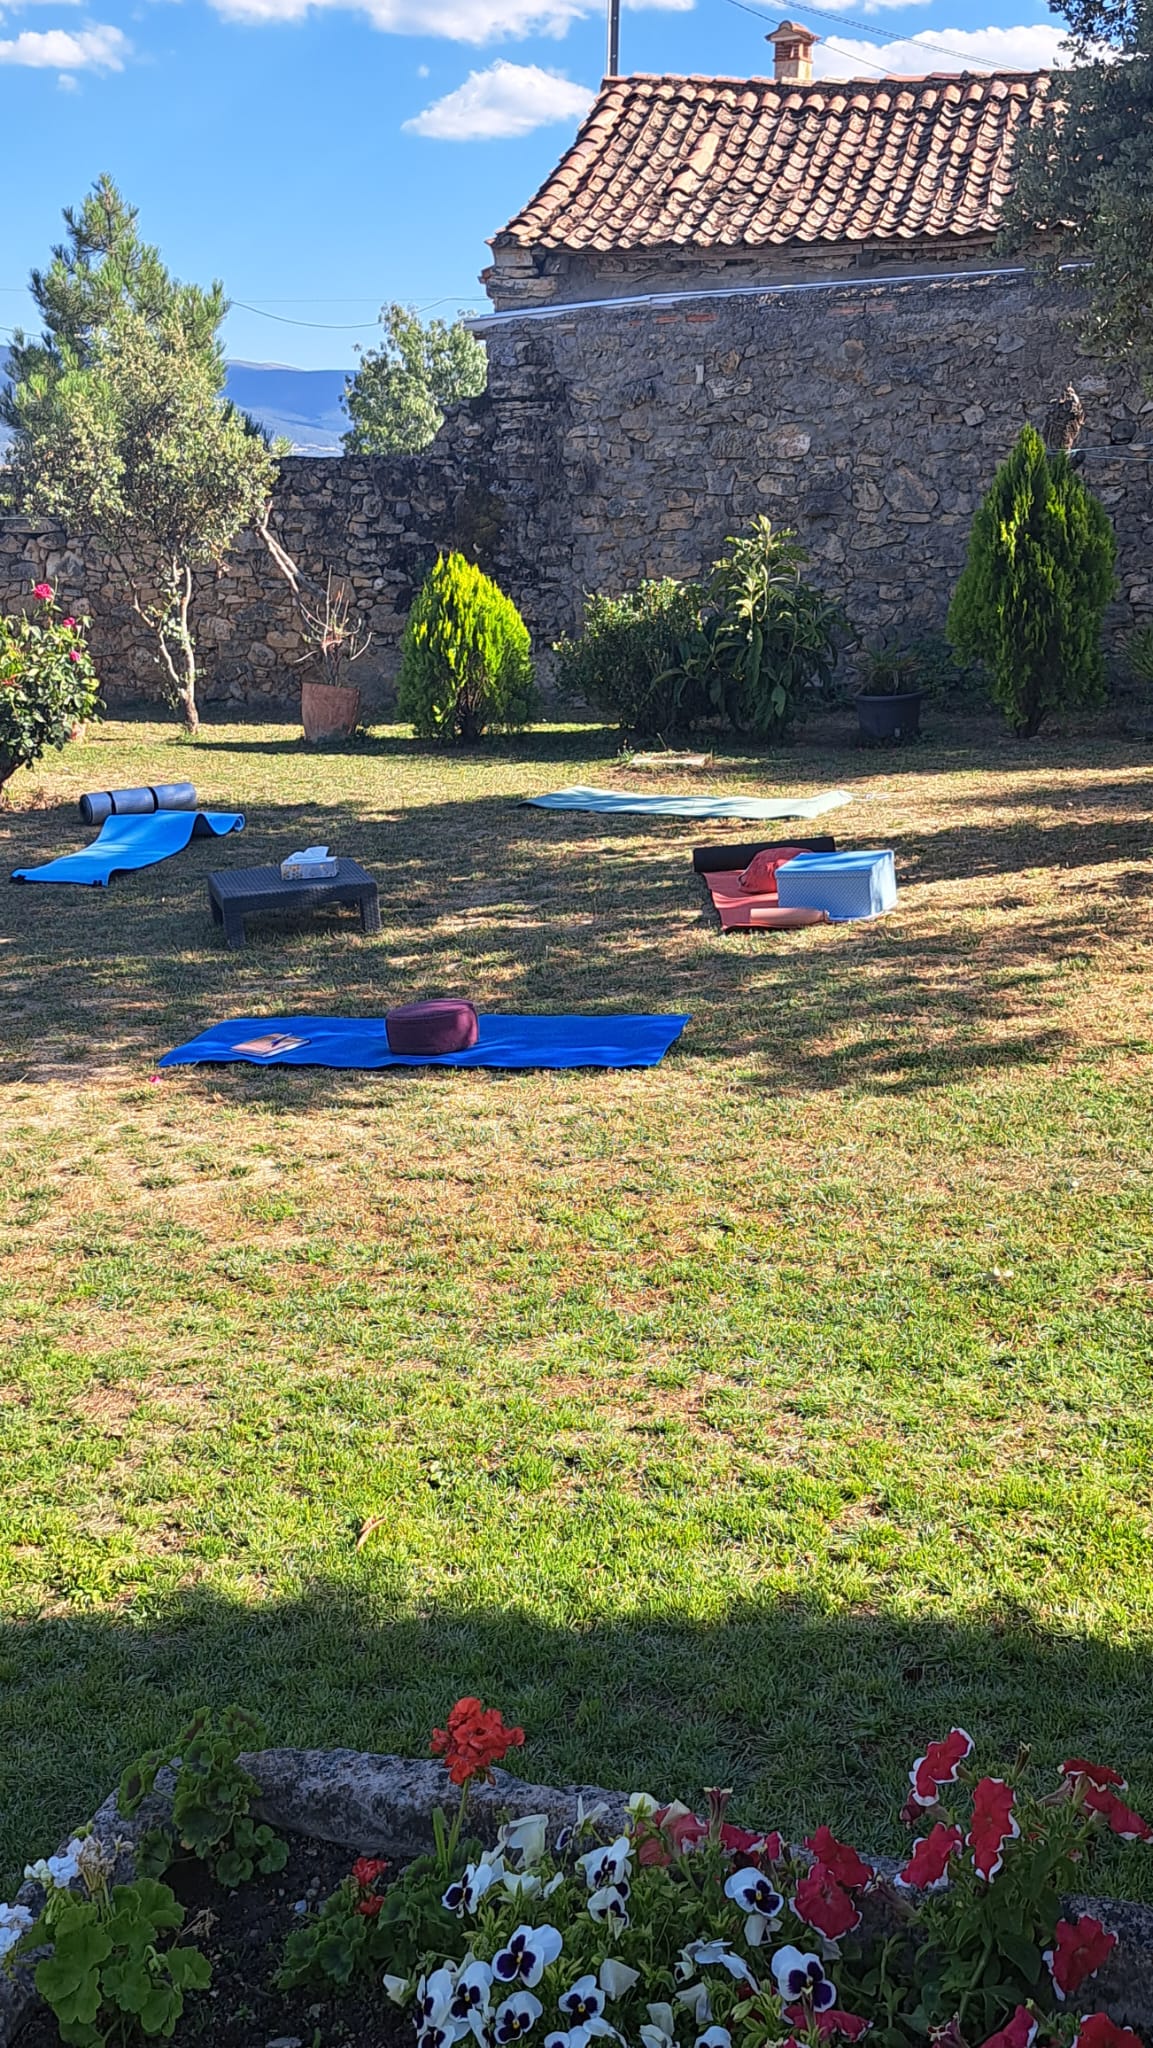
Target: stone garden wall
627,440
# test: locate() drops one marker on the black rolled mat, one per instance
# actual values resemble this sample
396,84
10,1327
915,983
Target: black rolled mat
714,860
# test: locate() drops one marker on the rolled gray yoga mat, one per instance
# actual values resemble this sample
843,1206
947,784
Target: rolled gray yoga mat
136,803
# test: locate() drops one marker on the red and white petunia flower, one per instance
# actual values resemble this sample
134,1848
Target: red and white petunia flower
939,1766
1124,1823
1019,2032
1097,2030
1101,1775
848,2025
824,1904
993,1824
928,1867
849,1869
1079,1949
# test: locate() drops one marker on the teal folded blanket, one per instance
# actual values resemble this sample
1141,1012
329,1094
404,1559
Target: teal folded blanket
126,843
580,799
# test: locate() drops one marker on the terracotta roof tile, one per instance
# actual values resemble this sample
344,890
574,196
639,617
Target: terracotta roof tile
731,163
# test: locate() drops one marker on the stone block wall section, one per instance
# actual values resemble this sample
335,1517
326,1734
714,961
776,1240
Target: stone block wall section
871,418
628,440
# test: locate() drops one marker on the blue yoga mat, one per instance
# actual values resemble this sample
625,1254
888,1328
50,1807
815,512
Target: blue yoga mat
503,1041
124,843
580,799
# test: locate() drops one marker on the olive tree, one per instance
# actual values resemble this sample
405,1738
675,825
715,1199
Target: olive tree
138,450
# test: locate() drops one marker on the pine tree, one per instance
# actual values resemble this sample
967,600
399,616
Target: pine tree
1031,599
102,269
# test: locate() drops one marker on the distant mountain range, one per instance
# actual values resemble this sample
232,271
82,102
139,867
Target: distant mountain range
302,405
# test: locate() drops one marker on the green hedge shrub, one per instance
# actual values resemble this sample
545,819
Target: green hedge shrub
629,661
1031,599
465,662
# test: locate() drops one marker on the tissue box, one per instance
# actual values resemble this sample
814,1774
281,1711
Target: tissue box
846,885
313,864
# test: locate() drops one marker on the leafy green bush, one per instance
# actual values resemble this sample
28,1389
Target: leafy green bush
47,682
770,640
1139,655
1032,596
465,659
629,660
210,1802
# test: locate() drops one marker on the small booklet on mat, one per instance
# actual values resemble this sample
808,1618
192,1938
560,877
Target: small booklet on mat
266,1048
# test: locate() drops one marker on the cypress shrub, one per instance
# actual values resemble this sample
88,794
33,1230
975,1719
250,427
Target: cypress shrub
1031,598
465,660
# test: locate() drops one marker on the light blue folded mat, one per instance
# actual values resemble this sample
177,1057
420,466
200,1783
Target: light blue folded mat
124,843
502,1041
580,799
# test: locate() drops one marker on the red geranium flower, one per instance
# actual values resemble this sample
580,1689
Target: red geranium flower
824,1904
42,592
1017,2033
993,1824
848,2024
1099,2031
1078,1951
929,1862
370,1905
843,1863
939,1766
1119,1817
367,1869
474,1740
1097,1774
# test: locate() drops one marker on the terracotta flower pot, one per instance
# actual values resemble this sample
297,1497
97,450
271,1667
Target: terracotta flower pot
328,711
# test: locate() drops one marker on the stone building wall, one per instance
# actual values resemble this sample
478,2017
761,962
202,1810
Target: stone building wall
628,440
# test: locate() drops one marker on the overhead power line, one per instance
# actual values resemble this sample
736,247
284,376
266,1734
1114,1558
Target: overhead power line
865,29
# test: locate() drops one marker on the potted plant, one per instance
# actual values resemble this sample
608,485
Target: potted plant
335,638
889,700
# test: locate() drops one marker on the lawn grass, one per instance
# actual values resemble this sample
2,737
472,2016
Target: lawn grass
744,1421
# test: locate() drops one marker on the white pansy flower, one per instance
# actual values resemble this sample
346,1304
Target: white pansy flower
605,1867
524,1838
432,1998
642,1804
515,2018
582,2002
471,1995
520,1884
466,1894
662,2016
761,1902
704,1955
14,1922
714,2037
616,1979
526,1956
695,1999
610,1904
396,1988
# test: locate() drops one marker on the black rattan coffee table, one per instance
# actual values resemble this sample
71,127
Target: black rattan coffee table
234,893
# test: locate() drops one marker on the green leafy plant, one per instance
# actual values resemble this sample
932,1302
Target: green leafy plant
1139,655
113,1972
47,682
889,671
1031,599
770,641
465,661
628,661
211,1802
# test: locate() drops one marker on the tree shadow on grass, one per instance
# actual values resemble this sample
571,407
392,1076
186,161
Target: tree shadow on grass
810,1715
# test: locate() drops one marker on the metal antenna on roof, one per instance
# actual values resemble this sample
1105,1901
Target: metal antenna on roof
614,50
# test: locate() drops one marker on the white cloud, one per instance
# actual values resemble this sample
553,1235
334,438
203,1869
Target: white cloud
507,99
99,48
1034,48
461,21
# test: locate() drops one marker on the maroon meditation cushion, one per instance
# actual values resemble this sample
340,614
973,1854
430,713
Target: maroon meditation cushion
760,877
443,1025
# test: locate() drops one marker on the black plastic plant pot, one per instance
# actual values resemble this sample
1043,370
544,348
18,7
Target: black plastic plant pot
890,718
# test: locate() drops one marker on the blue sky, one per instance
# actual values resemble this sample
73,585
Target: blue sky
322,158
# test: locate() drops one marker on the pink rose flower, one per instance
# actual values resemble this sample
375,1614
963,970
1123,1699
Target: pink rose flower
73,654
42,592
68,622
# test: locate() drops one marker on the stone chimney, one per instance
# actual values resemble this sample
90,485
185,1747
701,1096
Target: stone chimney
792,53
